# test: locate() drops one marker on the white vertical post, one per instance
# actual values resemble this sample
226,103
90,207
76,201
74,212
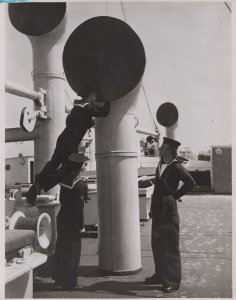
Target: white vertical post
117,177
171,131
48,74
45,25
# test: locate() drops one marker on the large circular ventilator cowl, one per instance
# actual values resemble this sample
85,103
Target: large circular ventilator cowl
104,53
167,114
36,18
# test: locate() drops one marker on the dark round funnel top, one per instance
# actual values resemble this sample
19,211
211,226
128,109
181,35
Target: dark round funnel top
104,52
167,114
36,18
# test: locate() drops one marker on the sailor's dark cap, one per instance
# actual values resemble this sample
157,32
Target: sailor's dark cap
173,143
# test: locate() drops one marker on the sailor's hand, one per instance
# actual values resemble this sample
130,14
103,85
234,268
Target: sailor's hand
80,231
85,178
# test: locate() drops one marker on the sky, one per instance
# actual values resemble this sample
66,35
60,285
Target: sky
188,53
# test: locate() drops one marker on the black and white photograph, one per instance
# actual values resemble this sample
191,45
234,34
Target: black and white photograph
118,149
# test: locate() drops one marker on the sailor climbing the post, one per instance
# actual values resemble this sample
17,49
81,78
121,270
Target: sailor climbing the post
80,119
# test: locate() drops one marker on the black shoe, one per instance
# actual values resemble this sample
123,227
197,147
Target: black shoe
153,279
169,289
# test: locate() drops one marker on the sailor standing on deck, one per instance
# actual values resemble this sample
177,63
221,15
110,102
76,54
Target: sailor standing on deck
165,217
70,224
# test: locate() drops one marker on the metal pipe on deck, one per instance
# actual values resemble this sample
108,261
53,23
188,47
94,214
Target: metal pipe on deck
17,134
112,61
117,180
143,130
167,115
44,24
18,90
171,131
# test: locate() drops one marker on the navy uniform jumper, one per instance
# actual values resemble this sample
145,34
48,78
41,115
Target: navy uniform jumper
77,123
165,221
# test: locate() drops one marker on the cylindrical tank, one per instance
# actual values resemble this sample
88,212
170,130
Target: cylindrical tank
118,199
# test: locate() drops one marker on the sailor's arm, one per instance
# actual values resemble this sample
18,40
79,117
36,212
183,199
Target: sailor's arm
188,182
